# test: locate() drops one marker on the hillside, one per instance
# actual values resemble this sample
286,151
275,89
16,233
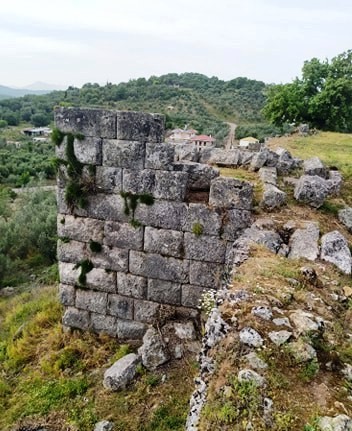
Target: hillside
8,92
194,99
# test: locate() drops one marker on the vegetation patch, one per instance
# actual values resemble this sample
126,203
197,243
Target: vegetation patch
86,266
131,201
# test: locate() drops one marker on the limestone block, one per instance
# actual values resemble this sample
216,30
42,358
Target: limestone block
67,273
170,185
199,175
111,258
61,201
119,375
334,249
130,329
286,162
264,157
201,214
304,242
273,197
120,306
123,235
165,242
108,179
74,318
155,266
67,294
91,301
138,181
206,274
334,183
231,193
79,228
72,251
146,311
164,292
106,207
140,126
205,248
131,285
185,152
88,150
345,217
162,214
268,175
100,279
314,166
311,190
153,350
159,156
191,295
89,122
104,323
123,154
234,221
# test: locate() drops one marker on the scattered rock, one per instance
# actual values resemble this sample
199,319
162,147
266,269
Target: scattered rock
255,362
334,249
282,321
153,350
311,190
262,311
268,238
334,183
273,197
302,352
315,166
119,375
304,242
251,337
250,375
268,175
185,331
347,372
279,337
304,322
309,274
104,426
7,291
338,423
345,217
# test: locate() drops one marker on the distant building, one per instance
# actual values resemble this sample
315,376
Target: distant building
37,131
202,141
181,136
250,143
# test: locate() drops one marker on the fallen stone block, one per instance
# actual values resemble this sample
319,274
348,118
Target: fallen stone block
119,375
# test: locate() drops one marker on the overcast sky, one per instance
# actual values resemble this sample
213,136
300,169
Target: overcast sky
70,42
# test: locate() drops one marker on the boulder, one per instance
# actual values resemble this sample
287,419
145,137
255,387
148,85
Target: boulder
268,175
251,337
186,152
334,183
273,197
304,242
345,217
264,158
279,337
199,175
334,249
268,238
315,166
286,162
153,350
312,190
119,375
305,322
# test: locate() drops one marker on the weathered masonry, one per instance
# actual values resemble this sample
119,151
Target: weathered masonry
140,236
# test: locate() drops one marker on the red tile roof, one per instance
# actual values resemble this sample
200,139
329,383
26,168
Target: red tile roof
203,138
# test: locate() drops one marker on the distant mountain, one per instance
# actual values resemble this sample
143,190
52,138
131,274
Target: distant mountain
43,86
9,92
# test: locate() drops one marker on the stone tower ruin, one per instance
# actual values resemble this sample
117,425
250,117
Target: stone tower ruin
140,235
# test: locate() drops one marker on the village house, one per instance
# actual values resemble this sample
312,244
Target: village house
250,143
202,141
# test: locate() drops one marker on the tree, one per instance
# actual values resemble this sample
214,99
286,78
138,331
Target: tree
40,120
322,97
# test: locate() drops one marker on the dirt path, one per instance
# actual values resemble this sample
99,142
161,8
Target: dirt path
231,137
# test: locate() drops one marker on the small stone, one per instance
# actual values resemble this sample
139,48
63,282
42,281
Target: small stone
279,337
302,352
262,311
347,291
255,362
153,350
119,375
252,376
304,322
282,321
104,426
251,337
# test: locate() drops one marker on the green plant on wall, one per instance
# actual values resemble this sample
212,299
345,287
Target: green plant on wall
80,180
131,202
86,266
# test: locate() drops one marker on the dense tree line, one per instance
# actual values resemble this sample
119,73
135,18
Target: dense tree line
322,97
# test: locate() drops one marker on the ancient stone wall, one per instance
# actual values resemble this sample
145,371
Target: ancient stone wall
140,235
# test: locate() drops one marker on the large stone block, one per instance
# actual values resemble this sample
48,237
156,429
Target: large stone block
123,235
88,150
120,306
67,273
199,175
100,279
104,323
159,156
89,122
234,221
314,166
146,311
205,248
62,206
156,266
191,295
162,214
123,154
312,190
67,294
111,258
80,228
200,214
164,292
304,242
71,251
165,242
119,375
108,179
138,181
206,274
140,126
231,193
170,185
91,301
74,318
335,249
106,207
131,285
130,329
